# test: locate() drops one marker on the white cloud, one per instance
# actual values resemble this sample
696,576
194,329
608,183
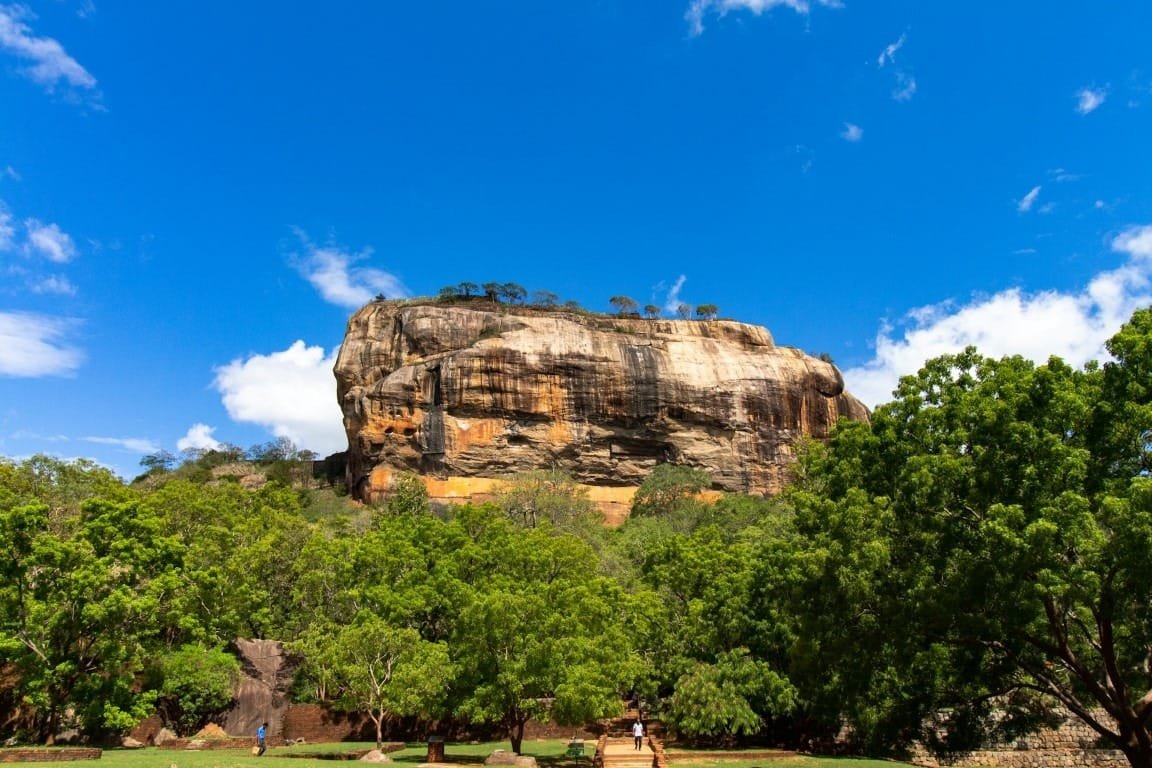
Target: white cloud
50,241
292,393
1025,203
7,231
330,271
33,345
905,87
1135,241
51,65
1071,325
888,55
198,437
852,132
672,302
53,284
701,8
11,173
1088,99
134,444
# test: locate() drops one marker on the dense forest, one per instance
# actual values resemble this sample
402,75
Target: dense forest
976,559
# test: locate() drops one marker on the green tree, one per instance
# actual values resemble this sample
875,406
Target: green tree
384,671
540,634
723,699
684,311
160,461
80,610
623,304
707,311
651,311
492,291
981,548
667,486
513,293
195,686
449,292
545,298
408,496
547,497
467,289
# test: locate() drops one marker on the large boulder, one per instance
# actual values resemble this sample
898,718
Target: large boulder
468,394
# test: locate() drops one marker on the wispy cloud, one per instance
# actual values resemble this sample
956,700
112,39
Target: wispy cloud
291,393
34,345
133,444
672,300
852,132
11,173
905,87
50,241
1089,99
53,284
7,230
1073,325
50,65
330,270
699,9
1024,204
888,55
198,437
1061,175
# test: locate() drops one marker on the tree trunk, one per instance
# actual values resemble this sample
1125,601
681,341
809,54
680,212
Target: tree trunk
516,735
379,722
1138,751
1138,758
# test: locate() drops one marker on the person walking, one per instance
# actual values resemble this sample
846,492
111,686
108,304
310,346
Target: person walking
261,739
638,734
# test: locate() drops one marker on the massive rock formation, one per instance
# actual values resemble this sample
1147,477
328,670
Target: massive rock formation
463,393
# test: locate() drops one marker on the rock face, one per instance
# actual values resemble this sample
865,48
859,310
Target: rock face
463,393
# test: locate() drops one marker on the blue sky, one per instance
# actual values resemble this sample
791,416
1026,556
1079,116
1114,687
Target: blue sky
195,197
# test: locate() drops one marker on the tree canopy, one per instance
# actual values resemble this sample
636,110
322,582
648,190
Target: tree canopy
981,549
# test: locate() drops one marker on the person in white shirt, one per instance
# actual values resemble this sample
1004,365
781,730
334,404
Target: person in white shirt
638,734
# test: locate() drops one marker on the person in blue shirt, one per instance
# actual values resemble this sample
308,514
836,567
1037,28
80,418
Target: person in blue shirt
261,739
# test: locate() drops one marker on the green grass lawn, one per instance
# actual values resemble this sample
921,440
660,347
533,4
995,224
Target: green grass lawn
549,753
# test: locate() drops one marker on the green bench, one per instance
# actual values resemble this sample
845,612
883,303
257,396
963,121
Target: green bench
575,748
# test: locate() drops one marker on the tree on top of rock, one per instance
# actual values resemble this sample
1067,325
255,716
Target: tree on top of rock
623,304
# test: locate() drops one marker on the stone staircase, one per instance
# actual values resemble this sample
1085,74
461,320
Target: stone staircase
617,749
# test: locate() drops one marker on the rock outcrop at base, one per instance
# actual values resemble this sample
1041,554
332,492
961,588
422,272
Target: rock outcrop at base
469,392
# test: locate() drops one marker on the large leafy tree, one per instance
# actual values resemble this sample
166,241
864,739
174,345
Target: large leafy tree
379,669
81,607
982,549
540,633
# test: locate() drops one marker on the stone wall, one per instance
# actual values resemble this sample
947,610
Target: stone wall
1072,745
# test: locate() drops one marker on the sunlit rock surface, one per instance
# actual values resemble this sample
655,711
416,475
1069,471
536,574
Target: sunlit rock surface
467,393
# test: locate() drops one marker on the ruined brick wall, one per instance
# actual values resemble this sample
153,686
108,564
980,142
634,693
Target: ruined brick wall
48,755
317,725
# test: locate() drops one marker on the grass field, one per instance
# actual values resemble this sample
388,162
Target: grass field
548,753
